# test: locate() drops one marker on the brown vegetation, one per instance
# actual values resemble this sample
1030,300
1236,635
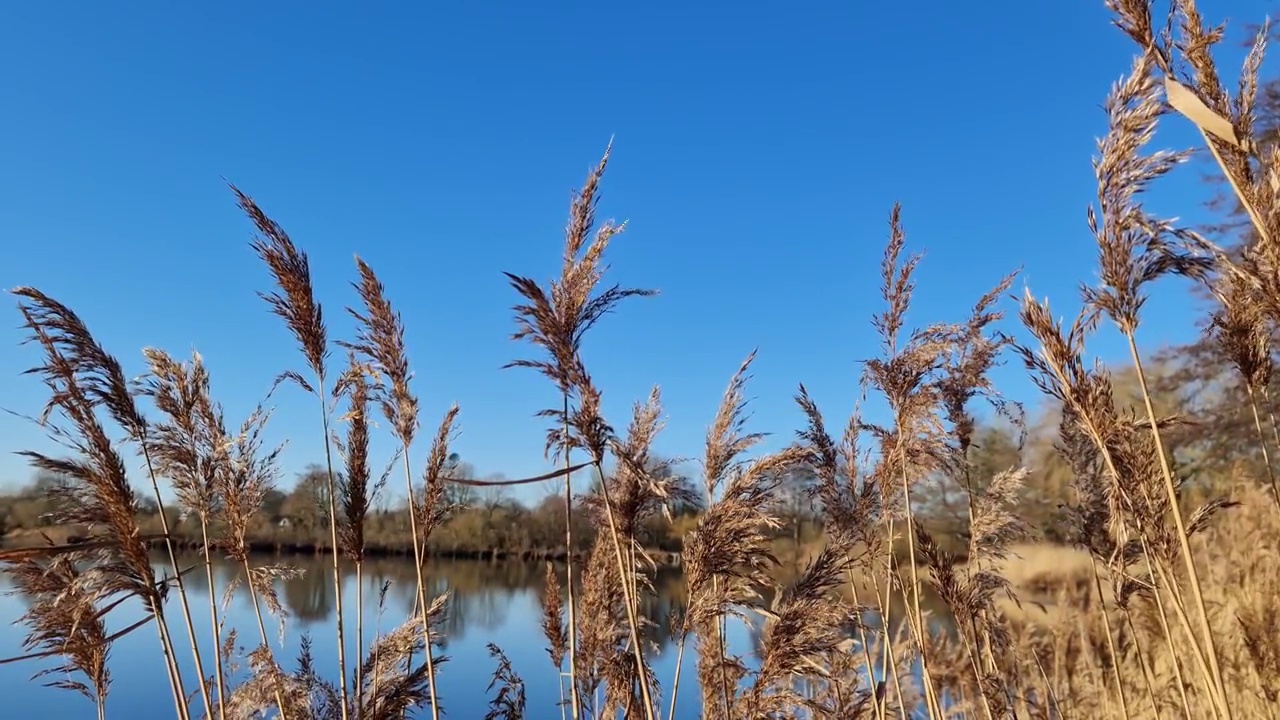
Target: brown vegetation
1162,610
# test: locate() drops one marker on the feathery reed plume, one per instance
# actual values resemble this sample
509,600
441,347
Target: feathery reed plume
553,618
296,304
80,379
914,445
64,619
805,623
1135,249
603,636
380,339
1134,493
970,592
397,685
556,320
1240,329
508,703
993,525
103,381
356,493
640,488
317,697
242,478
183,447
553,627
853,507
727,557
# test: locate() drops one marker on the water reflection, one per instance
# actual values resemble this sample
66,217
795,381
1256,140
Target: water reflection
495,601
481,592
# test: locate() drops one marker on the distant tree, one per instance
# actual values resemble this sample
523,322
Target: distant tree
273,503
795,504
943,500
308,502
48,483
459,496
146,505
493,497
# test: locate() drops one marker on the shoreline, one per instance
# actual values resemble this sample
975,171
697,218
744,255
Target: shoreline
662,558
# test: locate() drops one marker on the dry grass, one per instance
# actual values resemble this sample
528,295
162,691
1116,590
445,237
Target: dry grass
1157,610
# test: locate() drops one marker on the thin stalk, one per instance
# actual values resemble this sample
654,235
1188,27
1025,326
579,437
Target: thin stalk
1142,660
337,557
418,552
1184,543
1210,688
629,599
262,632
568,571
974,654
1168,638
675,684
926,679
1111,644
888,665
1271,414
720,647
1048,686
175,679
359,684
377,656
1262,443
866,651
181,584
213,619
560,683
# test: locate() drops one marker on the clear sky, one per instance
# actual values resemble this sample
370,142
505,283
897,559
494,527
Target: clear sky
758,152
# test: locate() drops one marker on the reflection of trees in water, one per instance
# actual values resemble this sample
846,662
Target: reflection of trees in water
483,593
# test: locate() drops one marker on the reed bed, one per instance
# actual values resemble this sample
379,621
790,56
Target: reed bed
1163,611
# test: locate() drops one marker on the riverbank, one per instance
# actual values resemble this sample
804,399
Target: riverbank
65,535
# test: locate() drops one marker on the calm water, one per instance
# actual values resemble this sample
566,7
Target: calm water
490,602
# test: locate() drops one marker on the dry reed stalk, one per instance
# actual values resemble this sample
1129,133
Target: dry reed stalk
82,377
183,449
1132,494
727,558
295,303
853,506
914,445
380,339
370,666
555,320
553,627
509,702
1135,249
399,686
64,620
1240,331
106,381
595,435
357,494
805,623
642,487
242,477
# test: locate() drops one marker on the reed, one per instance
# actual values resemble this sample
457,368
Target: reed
295,303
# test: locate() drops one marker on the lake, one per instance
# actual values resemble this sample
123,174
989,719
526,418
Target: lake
490,602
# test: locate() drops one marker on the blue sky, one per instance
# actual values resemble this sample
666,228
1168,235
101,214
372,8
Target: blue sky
758,152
